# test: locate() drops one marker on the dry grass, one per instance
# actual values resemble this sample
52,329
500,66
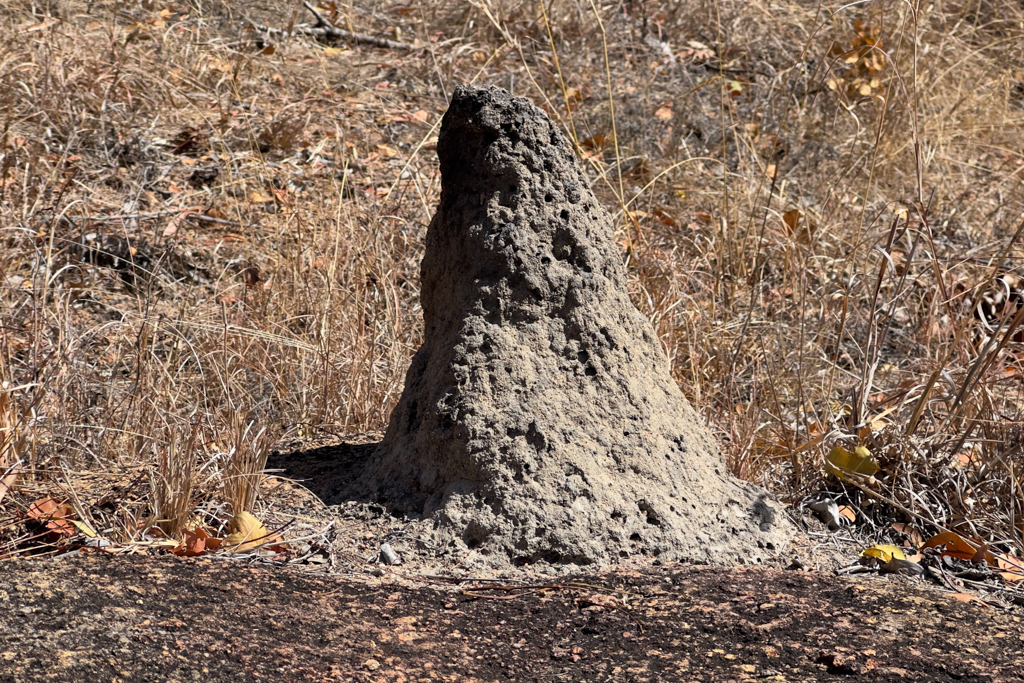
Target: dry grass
210,233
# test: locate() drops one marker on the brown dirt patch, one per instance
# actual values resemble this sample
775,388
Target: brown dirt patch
145,618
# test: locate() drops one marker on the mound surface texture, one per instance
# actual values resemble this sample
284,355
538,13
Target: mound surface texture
539,420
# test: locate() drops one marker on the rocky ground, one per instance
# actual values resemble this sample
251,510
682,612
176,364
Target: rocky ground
92,618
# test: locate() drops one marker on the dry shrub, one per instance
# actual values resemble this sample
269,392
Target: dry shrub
243,464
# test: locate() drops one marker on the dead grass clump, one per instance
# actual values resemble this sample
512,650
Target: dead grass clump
817,204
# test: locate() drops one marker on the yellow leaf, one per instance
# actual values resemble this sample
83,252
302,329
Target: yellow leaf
885,553
332,51
84,528
246,532
843,463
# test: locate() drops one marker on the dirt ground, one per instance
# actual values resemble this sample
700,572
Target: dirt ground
92,617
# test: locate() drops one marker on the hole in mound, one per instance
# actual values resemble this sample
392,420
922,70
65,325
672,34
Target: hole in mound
652,516
474,535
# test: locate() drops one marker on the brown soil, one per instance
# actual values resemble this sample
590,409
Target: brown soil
155,618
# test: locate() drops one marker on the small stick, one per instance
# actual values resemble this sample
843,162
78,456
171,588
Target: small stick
326,29
203,218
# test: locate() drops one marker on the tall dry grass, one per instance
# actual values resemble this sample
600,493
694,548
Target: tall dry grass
817,204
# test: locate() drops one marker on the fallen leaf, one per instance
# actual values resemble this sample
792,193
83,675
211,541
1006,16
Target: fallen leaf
791,218
910,532
175,222
48,511
196,542
848,512
885,553
664,113
959,547
843,463
1012,569
84,528
247,533
967,597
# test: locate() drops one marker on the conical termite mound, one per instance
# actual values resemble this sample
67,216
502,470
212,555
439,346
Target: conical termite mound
539,420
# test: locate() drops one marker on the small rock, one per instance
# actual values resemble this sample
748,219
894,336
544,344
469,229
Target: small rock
388,555
371,664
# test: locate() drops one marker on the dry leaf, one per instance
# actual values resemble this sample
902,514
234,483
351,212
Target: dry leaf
885,553
843,463
791,218
84,528
957,546
248,533
910,532
967,597
664,113
197,542
174,223
848,512
1012,569
54,515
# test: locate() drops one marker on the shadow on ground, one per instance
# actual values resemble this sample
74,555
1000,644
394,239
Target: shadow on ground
328,466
